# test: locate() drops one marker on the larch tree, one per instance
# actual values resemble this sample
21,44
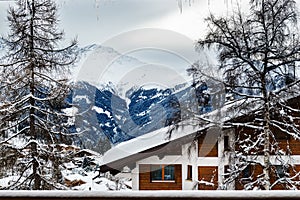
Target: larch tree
33,91
258,54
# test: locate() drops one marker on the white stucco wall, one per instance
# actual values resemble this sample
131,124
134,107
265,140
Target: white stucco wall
135,178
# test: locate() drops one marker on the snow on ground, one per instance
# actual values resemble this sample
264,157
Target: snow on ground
4,182
91,181
83,174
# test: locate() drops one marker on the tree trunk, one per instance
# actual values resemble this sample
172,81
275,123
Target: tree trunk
33,134
266,129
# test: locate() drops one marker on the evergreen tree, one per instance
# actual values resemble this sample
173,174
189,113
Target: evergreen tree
258,54
33,89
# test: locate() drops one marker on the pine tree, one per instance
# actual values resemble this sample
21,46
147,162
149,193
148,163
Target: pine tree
258,54
33,88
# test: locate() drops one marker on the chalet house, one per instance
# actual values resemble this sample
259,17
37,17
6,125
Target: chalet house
191,157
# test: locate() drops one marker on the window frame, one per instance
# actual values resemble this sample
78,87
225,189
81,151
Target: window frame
189,175
226,143
162,168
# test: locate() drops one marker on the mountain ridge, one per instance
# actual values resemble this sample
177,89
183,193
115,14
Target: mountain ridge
106,114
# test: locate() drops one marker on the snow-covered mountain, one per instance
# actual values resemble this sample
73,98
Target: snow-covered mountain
109,113
102,113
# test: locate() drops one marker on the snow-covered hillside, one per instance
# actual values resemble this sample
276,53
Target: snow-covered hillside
102,113
112,109
108,111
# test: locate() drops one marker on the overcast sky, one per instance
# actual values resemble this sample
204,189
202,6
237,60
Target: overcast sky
95,21
133,26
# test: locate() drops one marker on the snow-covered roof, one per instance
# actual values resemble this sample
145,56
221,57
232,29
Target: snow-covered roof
88,151
69,165
149,140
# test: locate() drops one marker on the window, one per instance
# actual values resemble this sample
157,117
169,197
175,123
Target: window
156,173
246,172
226,143
189,172
207,148
162,173
280,171
280,136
